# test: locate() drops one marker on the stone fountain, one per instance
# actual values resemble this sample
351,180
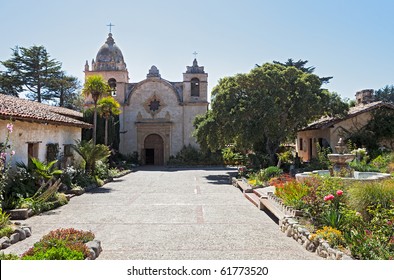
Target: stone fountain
340,161
340,168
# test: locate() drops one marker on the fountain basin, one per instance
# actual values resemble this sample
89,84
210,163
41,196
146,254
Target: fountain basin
357,176
341,158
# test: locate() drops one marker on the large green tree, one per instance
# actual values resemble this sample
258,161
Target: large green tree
263,108
385,94
32,70
64,91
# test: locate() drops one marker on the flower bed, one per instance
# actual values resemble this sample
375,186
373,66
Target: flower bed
62,244
356,219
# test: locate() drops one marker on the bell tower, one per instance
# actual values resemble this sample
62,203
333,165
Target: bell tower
109,64
195,98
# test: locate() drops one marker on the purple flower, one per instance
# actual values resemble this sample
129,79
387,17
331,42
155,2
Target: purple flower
10,126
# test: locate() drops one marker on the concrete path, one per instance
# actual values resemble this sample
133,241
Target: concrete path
170,214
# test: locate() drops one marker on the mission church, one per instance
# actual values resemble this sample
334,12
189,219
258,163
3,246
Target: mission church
157,114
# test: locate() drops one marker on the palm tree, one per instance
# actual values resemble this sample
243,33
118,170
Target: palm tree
108,107
97,88
91,153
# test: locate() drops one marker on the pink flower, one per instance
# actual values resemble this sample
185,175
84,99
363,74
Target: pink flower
12,153
339,192
3,155
10,126
329,197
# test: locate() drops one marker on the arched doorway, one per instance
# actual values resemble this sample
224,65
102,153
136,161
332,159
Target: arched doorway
154,150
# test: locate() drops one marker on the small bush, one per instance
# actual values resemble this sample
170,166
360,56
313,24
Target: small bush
333,236
370,195
60,252
190,155
69,234
292,193
270,172
6,231
102,170
4,219
8,257
61,244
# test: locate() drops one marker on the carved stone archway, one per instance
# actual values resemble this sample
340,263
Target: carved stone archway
154,150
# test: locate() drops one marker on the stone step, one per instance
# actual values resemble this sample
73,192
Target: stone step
244,186
252,197
260,192
270,206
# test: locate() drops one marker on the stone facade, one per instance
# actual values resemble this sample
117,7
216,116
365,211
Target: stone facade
157,115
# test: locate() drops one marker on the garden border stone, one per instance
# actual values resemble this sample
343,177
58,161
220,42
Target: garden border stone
20,233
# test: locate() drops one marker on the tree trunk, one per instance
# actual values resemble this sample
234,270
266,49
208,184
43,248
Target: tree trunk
94,123
106,132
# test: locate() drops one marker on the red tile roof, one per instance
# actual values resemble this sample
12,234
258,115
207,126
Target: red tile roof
26,110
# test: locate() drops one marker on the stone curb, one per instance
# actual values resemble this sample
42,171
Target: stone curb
19,234
293,229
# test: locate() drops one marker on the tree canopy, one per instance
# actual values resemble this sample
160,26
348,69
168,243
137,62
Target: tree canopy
34,72
261,109
385,94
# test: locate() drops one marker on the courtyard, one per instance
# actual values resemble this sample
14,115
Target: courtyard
166,213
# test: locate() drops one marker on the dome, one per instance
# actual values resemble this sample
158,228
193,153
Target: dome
109,57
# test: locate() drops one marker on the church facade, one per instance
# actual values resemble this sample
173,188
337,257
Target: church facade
157,115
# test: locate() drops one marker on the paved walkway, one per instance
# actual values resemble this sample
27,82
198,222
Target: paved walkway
170,214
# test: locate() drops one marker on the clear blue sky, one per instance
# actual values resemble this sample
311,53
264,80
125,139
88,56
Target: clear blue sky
349,40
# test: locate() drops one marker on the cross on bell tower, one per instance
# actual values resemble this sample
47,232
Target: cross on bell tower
110,27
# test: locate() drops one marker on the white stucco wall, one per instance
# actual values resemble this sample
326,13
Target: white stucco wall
26,132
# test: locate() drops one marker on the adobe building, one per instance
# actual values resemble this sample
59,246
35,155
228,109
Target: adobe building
157,114
327,130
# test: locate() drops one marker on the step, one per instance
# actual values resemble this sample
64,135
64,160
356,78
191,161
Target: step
260,192
252,197
270,206
244,186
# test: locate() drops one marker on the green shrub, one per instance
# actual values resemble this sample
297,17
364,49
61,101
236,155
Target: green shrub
4,219
190,155
61,244
83,179
369,195
21,184
102,170
292,193
69,234
59,252
8,257
232,157
6,231
270,172
332,235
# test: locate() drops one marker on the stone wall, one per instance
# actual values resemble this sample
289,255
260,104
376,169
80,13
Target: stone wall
293,229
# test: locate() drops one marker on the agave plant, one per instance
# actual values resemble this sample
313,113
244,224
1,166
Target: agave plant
91,153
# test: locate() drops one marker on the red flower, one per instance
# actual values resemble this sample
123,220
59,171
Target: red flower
329,197
339,192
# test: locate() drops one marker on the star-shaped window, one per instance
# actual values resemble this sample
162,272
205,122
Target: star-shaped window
154,105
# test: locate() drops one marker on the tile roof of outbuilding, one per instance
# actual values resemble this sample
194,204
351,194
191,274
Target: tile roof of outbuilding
325,122
27,110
